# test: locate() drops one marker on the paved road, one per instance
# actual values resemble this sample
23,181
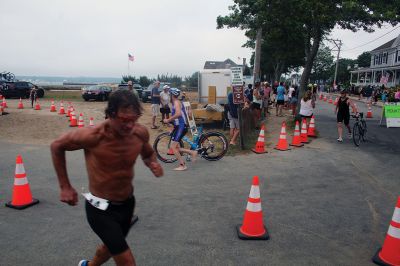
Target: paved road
328,203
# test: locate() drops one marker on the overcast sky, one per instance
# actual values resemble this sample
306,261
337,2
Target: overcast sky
94,37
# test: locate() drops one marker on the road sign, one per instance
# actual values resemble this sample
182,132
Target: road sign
237,76
238,94
392,114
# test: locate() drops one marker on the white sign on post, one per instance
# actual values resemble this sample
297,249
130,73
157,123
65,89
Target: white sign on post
237,76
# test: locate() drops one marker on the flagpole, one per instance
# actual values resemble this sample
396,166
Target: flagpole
128,67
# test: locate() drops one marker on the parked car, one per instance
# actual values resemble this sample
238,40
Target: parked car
136,86
96,92
146,96
18,89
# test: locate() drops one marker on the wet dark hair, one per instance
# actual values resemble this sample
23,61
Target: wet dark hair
122,99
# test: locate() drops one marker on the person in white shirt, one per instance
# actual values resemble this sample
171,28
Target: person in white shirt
307,106
165,99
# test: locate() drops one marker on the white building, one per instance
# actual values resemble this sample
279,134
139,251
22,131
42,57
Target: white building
384,68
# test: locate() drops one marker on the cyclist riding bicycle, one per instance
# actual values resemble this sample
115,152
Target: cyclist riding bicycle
179,120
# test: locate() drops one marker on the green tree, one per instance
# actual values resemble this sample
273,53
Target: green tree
364,59
127,78
343,74
322,65
193,80
145,81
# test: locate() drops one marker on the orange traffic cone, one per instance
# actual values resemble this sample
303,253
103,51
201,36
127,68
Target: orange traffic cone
20,104
336,101
81,123
311,128
21,196
73,122
330,100
296,137
91,123
52,107
4,103
62,110
369,113
259,148
253,227
282,143
303,133
69,110
37,106
321,96
325,98
389,254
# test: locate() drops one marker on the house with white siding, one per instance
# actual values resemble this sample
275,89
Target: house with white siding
384,68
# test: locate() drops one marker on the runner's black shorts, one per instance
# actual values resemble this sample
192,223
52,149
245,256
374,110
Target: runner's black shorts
343,117
113,224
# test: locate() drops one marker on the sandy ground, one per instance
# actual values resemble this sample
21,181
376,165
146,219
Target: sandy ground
41,127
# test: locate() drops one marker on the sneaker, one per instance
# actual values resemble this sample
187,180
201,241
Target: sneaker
350,135
83,263
340,139
181,168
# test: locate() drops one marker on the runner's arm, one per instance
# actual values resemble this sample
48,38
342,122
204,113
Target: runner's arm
148,155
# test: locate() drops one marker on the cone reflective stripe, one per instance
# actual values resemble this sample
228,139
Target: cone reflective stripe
37,106
296,141
282,143
91,123
369,113
260,144
303,133
390,252
21,196
52,107
62,110
253,227
311,128
20,104
73,122
81,123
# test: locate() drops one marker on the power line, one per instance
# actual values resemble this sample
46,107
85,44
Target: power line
372,40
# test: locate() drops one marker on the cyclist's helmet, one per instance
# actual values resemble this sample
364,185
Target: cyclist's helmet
174,91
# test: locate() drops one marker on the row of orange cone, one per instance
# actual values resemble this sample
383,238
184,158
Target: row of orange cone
253,228
324,98
299,137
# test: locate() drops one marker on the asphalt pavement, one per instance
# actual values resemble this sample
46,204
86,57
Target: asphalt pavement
327,203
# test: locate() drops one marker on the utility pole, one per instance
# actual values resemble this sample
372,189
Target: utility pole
257,56
338,44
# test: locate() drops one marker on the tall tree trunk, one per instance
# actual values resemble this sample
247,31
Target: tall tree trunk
311,52
257,56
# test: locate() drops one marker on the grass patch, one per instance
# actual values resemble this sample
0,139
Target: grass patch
63,95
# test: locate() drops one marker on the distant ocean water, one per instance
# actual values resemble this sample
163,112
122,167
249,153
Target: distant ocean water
46,80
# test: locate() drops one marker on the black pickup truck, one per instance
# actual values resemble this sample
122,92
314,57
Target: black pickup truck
18,89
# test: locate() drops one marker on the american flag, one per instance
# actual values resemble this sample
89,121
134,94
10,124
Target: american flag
131,57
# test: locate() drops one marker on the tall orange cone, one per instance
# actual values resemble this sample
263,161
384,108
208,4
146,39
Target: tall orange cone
369,113
20,104
389,254
260,144
325,98
311,128
321,96
282,143
253,227
91,123
303,133
21,196
69,109
330,100
4,103
37,106
296,137
73,122
81,123
62,110
52,107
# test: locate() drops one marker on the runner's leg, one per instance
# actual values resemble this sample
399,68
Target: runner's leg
125,259
101,256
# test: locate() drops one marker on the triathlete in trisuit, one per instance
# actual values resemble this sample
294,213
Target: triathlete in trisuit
343,113
178,119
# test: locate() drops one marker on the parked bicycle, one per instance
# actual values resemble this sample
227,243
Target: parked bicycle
210,145
359,129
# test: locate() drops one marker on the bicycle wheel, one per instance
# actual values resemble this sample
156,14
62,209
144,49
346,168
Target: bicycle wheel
162,149
364,126
356,134
213,146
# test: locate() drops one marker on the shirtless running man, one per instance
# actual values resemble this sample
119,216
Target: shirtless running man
111,149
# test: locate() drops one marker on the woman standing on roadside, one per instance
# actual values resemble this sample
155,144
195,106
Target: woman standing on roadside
307,106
